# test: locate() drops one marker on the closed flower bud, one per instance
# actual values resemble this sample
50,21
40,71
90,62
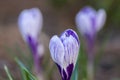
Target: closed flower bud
64,52
30,23
89,21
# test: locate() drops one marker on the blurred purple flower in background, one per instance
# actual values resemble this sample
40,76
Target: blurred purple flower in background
64,52
89,22
30,23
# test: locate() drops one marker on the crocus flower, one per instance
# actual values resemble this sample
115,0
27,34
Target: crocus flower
89,21
64,52
30,23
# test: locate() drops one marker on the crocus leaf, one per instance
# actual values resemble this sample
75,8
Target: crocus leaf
27,75
8,73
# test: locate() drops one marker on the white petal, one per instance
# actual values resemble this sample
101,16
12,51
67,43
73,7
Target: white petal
100,19
56,50
71,44
83,23
71,50
30,22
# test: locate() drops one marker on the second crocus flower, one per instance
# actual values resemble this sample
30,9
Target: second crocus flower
64,52
30,24
89,22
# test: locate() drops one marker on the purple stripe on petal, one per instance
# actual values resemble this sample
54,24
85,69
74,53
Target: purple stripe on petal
59,68
33,45
73,33
93,22
93,19
92,15
64,75
70,70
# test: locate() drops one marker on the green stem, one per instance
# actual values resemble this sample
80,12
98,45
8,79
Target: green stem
8,73
90,70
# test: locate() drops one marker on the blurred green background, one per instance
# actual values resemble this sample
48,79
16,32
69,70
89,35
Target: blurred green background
58,15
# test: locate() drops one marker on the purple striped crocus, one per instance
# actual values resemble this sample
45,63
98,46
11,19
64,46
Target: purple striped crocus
64,52
89,21
30,24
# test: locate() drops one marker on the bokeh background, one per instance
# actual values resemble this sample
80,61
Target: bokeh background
58,15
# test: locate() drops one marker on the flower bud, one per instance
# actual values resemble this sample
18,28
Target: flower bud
89,21
30,23
64,52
